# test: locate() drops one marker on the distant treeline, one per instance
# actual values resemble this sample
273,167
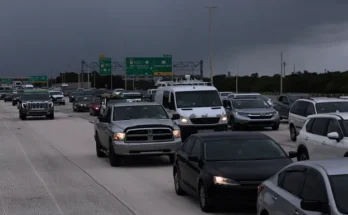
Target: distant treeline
300,82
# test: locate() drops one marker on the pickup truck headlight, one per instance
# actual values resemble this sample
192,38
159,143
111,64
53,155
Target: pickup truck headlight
224,181
176,133
223,118
184,120
24,105
119,136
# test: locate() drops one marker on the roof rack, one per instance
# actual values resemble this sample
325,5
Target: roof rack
182,82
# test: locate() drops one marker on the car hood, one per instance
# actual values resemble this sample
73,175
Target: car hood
34,101
83,102
126,124
254,170
256,110
201,112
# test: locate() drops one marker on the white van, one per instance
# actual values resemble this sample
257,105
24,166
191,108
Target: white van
199,107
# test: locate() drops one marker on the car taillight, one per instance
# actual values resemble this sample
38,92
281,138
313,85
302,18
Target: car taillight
259,189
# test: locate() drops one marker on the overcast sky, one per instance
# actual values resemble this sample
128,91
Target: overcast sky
39,37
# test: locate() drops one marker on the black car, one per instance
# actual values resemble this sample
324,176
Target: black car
82,103
226,168
8,97
74,95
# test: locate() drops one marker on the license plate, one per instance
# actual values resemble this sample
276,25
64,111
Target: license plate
205,131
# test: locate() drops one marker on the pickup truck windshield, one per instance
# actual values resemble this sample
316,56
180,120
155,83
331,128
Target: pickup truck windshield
192,99
139,112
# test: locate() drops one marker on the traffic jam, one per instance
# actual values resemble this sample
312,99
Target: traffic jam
213,142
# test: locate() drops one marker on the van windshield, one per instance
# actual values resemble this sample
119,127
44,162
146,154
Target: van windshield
191,99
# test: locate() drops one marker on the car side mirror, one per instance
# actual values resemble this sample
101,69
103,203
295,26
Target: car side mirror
176,116
314,206
292,154
333,136
193,158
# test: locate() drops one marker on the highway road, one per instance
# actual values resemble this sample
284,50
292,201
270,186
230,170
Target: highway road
50,167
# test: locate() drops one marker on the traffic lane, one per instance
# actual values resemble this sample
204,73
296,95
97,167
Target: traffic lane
67,109
37,179
145,185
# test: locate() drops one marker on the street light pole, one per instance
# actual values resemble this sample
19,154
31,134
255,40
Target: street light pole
211,42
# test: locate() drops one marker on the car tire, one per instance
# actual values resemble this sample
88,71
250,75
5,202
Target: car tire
302,154
115,160
13,104
51,116
171,159
275,127
203,198
233,125
23,117
178,190
293,133
98,147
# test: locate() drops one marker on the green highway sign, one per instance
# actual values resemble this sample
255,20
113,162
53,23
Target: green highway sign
38,79
6,81
105,65
149,66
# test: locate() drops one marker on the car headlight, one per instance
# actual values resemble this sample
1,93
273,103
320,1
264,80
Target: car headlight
176,133
24,105
224,181
119,136
184,120
275,113
242,114
223,118
50,104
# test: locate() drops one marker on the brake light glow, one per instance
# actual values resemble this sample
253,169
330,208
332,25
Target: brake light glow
259,189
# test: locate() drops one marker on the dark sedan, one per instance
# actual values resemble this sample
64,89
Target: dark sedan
82,103
226,168
8,97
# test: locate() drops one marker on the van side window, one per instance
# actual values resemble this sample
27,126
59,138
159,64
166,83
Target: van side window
165,99
171,102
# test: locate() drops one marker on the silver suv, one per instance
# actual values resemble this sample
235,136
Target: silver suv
142,128
242,113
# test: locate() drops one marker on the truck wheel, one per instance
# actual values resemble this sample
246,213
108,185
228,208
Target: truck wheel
98,147
115,160
23,117
51,116
275,127
171,159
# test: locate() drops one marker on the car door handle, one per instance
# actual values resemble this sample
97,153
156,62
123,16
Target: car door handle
274,198
295,212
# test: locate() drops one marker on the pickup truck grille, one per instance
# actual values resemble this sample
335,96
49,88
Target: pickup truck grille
142,135
209,120
37,105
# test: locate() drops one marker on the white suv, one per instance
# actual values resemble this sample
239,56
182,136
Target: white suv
304,107
323,136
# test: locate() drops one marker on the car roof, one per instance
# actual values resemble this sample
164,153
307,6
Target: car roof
124,104
337,166
231,135
323,99
183,88
337,115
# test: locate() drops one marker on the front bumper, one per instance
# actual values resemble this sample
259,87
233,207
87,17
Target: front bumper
154,148
82,108
241,195
247,122
44,112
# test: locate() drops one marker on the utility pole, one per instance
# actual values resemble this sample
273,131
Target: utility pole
88,85
281,72
237,80
82,64
211,42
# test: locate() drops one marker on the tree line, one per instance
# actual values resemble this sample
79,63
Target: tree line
296,82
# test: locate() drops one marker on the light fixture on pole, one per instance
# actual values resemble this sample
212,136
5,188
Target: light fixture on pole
211,42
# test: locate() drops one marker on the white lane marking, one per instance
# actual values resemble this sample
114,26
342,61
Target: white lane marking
33,168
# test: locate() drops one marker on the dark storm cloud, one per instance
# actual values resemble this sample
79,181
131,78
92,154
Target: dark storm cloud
44,36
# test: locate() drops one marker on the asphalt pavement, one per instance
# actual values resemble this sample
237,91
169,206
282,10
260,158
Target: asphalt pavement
50,167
